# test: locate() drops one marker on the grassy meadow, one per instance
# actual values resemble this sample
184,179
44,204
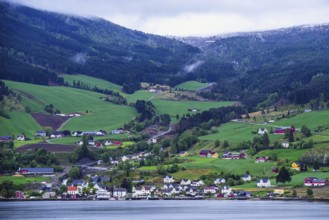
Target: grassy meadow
91,82
18,180
191,85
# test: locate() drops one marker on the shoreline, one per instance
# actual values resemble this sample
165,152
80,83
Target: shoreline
182,199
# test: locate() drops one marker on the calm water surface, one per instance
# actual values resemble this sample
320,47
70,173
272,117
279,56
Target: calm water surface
166,210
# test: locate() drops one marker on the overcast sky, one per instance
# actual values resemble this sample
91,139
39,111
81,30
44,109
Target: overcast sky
194,17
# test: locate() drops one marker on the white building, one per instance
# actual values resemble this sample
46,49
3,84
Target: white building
219,181
263,183
168,179
119,192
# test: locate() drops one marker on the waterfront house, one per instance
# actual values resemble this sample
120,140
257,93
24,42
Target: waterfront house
141,191
209,189
72,190
119,192
314,182
103,194
263,183
226,190
197,183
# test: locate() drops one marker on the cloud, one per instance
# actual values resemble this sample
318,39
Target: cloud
190,68
195,17
80,58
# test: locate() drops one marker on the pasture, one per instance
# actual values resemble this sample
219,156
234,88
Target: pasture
91,82
18,123
236,133
18,180
191,85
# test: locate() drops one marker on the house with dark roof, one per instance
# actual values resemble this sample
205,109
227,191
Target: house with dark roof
263,183
40,134
246,177
168,179
119,192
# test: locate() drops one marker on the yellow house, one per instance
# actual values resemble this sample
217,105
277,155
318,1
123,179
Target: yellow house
183,154
296,165
215,155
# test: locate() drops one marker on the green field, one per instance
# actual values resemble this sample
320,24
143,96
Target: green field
101,114
181,107
191,85
19,123
310,119
139,95
91,82
236,133
17,180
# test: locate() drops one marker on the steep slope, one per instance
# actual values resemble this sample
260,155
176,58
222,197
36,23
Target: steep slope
36,45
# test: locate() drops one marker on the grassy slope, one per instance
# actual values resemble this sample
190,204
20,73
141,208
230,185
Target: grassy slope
310,119
235,133
181,107
140,94
101,114
191,85
17,180
19,122
91,82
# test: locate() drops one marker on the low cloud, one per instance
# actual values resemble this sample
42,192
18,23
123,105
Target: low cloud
80,58
190,68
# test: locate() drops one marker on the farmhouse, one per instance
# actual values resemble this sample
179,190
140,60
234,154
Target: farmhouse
77,133
313,181
20,137
246,177
183,154
233,155
263,183
208,154
56,134
36,171
297,165
283,130
285,144
262,159
5,138
262,131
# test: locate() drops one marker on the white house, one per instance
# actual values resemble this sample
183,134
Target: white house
141,191
246,177
197,183
226,190
262,131
168,179
72,190
21,137
219,181
285,144
119,192
108,143
185,182
209,189
263,183
103,194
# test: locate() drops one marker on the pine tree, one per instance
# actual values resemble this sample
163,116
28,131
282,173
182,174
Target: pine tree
266,140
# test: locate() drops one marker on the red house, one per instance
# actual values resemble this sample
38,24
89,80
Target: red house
283,130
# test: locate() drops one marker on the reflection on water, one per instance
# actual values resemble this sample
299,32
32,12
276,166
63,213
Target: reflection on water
166,210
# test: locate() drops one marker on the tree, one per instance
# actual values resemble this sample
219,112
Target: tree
217,143
306,131
126,184
225,144
316,165
75,173
7,189
283,176
309,192
266,140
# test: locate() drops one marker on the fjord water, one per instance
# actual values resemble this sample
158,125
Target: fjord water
164,209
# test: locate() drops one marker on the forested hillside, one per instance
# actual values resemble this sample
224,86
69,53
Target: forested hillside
37,45
258,69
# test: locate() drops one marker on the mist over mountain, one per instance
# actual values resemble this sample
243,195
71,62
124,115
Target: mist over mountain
257,68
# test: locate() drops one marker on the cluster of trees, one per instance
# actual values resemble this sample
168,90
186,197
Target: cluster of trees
319,155
146,110
82,151
51,109
214,116
183,142
11,160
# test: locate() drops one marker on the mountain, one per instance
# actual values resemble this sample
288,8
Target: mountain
288,63
37,45
258,69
